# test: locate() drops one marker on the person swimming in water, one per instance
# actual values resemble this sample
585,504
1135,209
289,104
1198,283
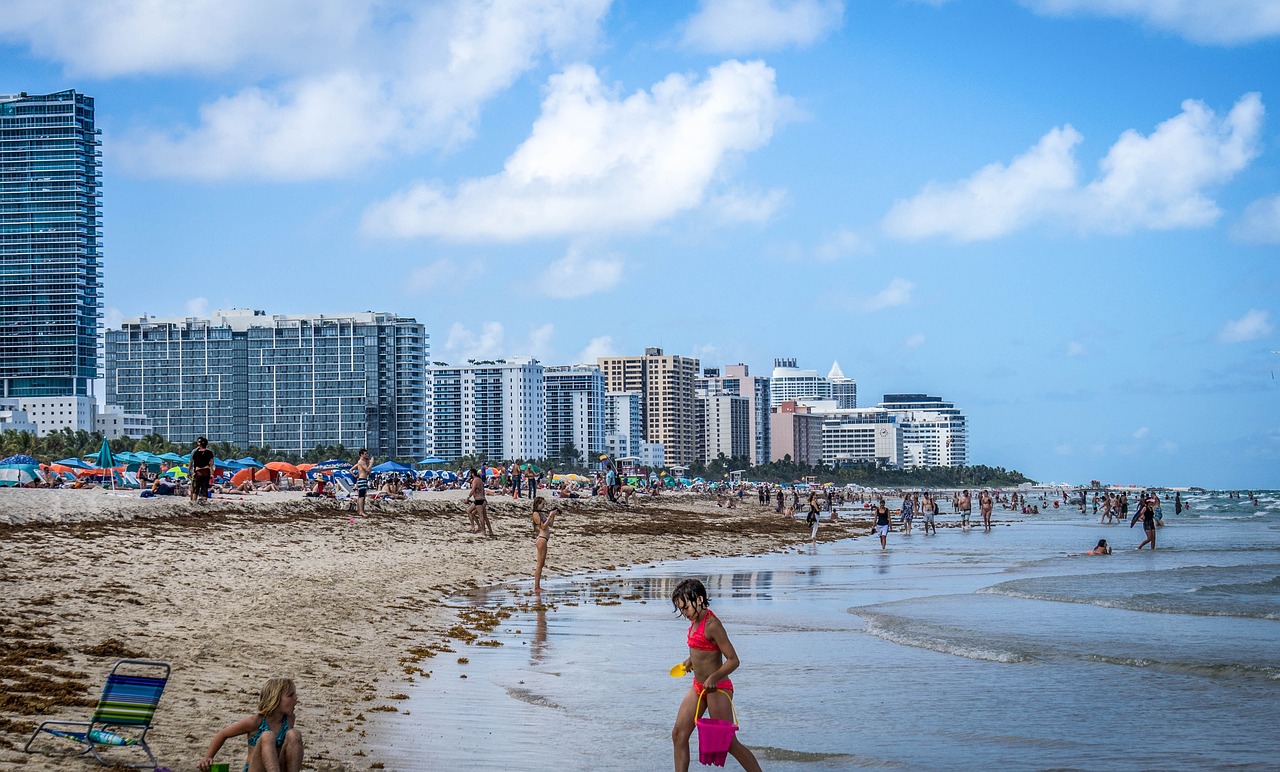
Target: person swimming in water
1102,549
711,658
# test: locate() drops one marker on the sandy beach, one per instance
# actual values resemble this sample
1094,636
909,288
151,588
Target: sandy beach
274,584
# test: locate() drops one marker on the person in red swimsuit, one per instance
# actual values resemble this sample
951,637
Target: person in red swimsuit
711,658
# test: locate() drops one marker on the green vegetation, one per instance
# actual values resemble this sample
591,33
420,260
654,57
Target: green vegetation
68,444
788,471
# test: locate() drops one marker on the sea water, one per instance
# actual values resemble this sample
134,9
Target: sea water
964,650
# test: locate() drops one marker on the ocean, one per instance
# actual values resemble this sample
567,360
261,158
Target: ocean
962,650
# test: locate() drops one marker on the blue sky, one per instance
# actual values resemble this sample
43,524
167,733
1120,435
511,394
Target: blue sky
1063,215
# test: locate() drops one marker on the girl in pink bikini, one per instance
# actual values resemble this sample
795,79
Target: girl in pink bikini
711,658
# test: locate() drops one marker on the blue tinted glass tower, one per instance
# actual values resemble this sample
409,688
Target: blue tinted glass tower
50,242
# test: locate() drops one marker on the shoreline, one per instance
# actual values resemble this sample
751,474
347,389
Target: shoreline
275,584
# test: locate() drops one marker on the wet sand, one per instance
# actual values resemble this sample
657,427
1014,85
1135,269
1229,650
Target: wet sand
274,584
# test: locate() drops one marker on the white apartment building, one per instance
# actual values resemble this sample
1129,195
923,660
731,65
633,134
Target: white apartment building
844,390
789,383
653,455
42,415
934,432
859,436
623,423
575,405
492,407
725,427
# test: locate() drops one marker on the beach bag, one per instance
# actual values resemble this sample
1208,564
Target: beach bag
715,735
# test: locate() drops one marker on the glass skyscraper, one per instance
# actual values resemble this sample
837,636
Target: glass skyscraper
50,242
288,382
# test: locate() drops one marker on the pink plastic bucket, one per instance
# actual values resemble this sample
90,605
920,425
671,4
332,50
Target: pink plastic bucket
715,735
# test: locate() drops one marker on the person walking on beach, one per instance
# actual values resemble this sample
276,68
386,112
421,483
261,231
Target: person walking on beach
984,508
275,745
362,470
543,520
881,528
930,515
908,513
201,471
478,511
1147,514
964,504
711,658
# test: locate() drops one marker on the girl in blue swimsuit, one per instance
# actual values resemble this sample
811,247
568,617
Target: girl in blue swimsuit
275,745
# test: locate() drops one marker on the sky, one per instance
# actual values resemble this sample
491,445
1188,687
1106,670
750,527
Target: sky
1062,215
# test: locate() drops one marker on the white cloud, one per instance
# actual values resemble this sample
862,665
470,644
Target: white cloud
1064,449
842,243
463,344
915,341
326,86
1200,21
1076,349
598,163
898,293
1169,446
738,206
576,275
441,273
113,318
196,307
600,346
997,199
540,340
1260,223
1156,181
745,26
1141,432
1253,325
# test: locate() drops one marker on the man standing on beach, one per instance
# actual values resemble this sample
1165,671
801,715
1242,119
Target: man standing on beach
965,505
362,470
984,507
201,470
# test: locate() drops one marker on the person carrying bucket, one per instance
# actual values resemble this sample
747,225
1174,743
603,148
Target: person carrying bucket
711,658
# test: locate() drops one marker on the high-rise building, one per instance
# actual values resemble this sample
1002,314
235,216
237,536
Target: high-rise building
494,408
737,380
797,434
725,427
50,245
624,423
844,390
290,382
789,383
860,436
934,432
575,411
666,383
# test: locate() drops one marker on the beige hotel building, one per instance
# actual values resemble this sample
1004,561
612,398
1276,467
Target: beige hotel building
667,405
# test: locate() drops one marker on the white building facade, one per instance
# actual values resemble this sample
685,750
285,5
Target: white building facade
624,423
934,432
495,408
726,427
575,406
789,383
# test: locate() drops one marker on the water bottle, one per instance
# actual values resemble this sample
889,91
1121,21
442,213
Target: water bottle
103,737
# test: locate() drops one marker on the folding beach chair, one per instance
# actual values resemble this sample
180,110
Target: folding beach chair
121,719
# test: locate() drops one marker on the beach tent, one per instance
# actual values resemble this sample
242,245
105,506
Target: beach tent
391,466
18,474
19,459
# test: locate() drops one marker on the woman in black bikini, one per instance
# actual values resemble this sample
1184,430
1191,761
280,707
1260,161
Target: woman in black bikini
479,509
542,522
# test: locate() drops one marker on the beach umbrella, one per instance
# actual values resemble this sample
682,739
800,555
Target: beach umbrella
249,461
18,474
74,463
242,476
330,465
19,459
448,476
529,468
175,472
427,474
234,466
391,466
173,458
431,460
284,467
105,460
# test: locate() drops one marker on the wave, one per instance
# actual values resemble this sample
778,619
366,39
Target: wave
939,638
1195,590
1212,670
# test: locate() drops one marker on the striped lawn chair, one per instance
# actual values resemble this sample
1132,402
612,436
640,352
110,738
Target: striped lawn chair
122,717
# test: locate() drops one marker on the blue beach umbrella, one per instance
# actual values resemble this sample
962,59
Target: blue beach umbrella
330,465
248,461
19,459
391,466
74,463
431,460
172,458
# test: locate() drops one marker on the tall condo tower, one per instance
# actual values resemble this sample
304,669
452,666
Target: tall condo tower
50,245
